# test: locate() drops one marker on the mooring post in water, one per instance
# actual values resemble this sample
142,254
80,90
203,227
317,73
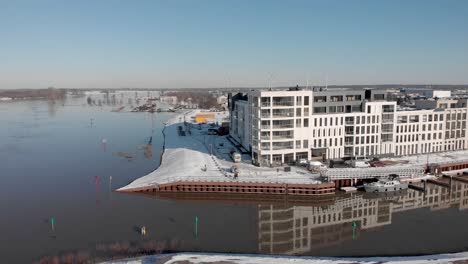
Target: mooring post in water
52,224
196,227
354,230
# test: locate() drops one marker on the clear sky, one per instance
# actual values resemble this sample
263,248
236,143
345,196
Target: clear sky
217,43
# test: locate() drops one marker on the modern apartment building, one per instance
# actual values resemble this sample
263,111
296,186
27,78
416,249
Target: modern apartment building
281,126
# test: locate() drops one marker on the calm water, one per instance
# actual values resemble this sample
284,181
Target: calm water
53,164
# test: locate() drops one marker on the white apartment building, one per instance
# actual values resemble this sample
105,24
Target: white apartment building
279,127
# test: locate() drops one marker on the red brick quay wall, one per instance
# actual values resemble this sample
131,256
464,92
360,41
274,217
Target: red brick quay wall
240,187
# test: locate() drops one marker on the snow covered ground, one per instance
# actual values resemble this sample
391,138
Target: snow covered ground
188,158
198,258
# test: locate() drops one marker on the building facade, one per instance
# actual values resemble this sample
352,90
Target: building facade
279,127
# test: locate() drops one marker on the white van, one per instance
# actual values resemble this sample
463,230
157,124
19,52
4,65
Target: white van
236,157
315,166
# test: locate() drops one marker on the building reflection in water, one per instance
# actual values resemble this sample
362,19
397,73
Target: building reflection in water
296,230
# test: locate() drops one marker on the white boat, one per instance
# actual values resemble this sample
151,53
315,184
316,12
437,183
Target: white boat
386,185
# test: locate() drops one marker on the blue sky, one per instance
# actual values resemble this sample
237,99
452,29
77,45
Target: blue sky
216,43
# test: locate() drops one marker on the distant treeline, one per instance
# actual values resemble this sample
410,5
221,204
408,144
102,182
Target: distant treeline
203,98
50,93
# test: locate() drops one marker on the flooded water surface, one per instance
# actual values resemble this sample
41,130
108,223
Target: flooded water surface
60,163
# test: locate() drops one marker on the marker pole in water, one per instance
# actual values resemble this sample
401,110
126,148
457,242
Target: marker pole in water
354,230
196,226
52,224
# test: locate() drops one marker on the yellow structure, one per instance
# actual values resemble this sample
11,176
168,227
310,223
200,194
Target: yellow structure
204,117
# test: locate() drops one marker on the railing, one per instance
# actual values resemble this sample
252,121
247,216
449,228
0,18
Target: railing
265,137
265,104
349,122
349,143
286,103
349,132
282,147
265,126
283,137
280,127
283,115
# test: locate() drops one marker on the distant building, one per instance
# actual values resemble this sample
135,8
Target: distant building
168,99
428,93
222,99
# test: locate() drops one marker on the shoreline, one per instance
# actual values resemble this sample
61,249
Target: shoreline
189,258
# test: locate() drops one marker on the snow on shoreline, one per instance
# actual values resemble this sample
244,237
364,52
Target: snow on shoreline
187,158
198,258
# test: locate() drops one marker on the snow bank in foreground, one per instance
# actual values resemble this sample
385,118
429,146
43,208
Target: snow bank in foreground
189,258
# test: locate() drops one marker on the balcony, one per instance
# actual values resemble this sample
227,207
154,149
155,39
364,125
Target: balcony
283,101
349,143
283,145
283,126
283,115
387,121
283,137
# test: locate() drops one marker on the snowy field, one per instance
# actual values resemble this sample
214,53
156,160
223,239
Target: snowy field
199,258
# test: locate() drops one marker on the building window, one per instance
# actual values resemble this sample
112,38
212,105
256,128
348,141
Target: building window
305,144
318,110
336,98
306,100
298,111
298,100
306,122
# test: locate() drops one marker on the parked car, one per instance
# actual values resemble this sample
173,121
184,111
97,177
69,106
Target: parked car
315,166
303,162
377,164
236,157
